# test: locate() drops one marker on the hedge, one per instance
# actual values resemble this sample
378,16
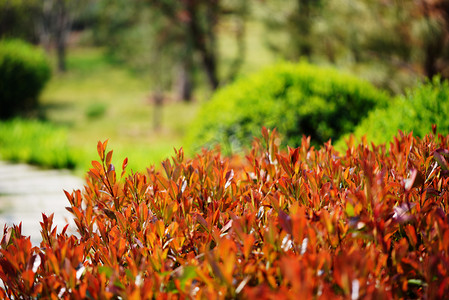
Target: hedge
279,223
416,111
24,70
297,99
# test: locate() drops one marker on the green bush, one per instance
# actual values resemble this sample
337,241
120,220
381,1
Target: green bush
24,70
36,142
416,111
297,99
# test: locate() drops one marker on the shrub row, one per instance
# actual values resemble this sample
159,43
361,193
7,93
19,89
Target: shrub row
36,142
417,110
369,223
24,70
48,145
297,99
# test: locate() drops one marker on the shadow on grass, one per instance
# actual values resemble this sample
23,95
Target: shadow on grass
44,110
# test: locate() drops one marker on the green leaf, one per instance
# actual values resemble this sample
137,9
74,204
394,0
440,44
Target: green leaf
417,282
349,209
105,270
189,272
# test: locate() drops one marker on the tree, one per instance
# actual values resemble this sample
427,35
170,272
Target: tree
435,36
19,19
46,22
178,36
56,24
414,36
197,21
293,21
392,43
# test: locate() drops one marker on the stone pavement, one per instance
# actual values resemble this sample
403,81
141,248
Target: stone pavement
26,192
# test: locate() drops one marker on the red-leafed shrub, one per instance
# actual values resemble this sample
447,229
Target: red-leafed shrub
371,223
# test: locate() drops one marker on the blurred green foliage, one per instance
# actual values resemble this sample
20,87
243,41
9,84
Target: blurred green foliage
417,110
175,42
24,70
19,19
98,99
36,142
297,99
390,43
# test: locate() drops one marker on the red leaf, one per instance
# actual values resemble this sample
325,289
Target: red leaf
100,150
229,176
286,221
415,180
226,227
125,163
109,157
439,157
97,165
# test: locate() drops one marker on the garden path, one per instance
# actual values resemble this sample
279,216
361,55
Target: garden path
27,191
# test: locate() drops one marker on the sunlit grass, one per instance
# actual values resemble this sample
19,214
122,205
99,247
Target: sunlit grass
126,119
36,142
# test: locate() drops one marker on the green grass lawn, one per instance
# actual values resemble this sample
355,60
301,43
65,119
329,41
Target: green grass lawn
98,100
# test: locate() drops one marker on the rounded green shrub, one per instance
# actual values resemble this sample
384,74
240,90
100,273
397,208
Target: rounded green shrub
297,99
24,70
417,111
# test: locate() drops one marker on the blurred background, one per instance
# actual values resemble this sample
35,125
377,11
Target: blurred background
137,71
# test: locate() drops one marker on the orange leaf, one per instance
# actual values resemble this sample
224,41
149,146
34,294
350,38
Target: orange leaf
109,157
97,165
100,150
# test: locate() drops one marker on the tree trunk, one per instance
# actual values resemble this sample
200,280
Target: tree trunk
434,49
183,87
240,34
204,40
46,24
304,21
432,52
61,54
210,65
158,101
62,30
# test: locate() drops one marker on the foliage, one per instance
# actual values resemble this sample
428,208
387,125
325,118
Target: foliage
294,20
416,111
48,22
35,142
18,19
364,224
391,43
24,70
172,41
55,25
297,99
